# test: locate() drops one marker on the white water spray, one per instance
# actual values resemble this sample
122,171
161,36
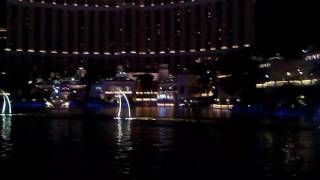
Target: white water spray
120,94
6,105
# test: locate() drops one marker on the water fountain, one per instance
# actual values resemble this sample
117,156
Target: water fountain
6,105
121,94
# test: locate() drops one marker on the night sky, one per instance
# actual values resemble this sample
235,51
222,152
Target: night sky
2,12
287,25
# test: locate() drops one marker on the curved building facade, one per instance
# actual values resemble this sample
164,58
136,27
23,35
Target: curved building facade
60,35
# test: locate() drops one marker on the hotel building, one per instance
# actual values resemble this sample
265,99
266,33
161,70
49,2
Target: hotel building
46,36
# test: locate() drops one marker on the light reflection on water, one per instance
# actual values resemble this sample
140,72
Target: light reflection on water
5,127
88,147
293,153
124,143
171,112
5,141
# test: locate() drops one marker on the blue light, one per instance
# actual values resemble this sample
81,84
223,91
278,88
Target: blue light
56,90
162,96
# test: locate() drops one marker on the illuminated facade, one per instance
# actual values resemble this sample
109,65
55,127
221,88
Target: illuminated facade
295,72
61,35
3,37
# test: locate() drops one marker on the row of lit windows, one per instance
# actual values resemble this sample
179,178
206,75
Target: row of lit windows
33,63
115,53
110,3
271,84
96,31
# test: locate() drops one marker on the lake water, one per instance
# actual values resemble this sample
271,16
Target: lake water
41,146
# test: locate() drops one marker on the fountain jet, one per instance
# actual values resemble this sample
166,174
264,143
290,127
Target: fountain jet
6,105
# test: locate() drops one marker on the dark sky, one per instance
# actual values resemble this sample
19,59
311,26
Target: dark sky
287,25
2,12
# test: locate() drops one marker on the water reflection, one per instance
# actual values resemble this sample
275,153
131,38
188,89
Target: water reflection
5,140
124,146
287,152
292,161
165,139
123,134
5,127
163,111
61,131
89,146
174,112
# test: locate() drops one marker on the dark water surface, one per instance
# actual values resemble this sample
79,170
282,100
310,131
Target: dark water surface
85,147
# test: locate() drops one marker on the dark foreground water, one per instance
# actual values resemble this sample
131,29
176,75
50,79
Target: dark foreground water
84,147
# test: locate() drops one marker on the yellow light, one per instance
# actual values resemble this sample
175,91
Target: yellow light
223,76
165,104
204,94
259,86
222,106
